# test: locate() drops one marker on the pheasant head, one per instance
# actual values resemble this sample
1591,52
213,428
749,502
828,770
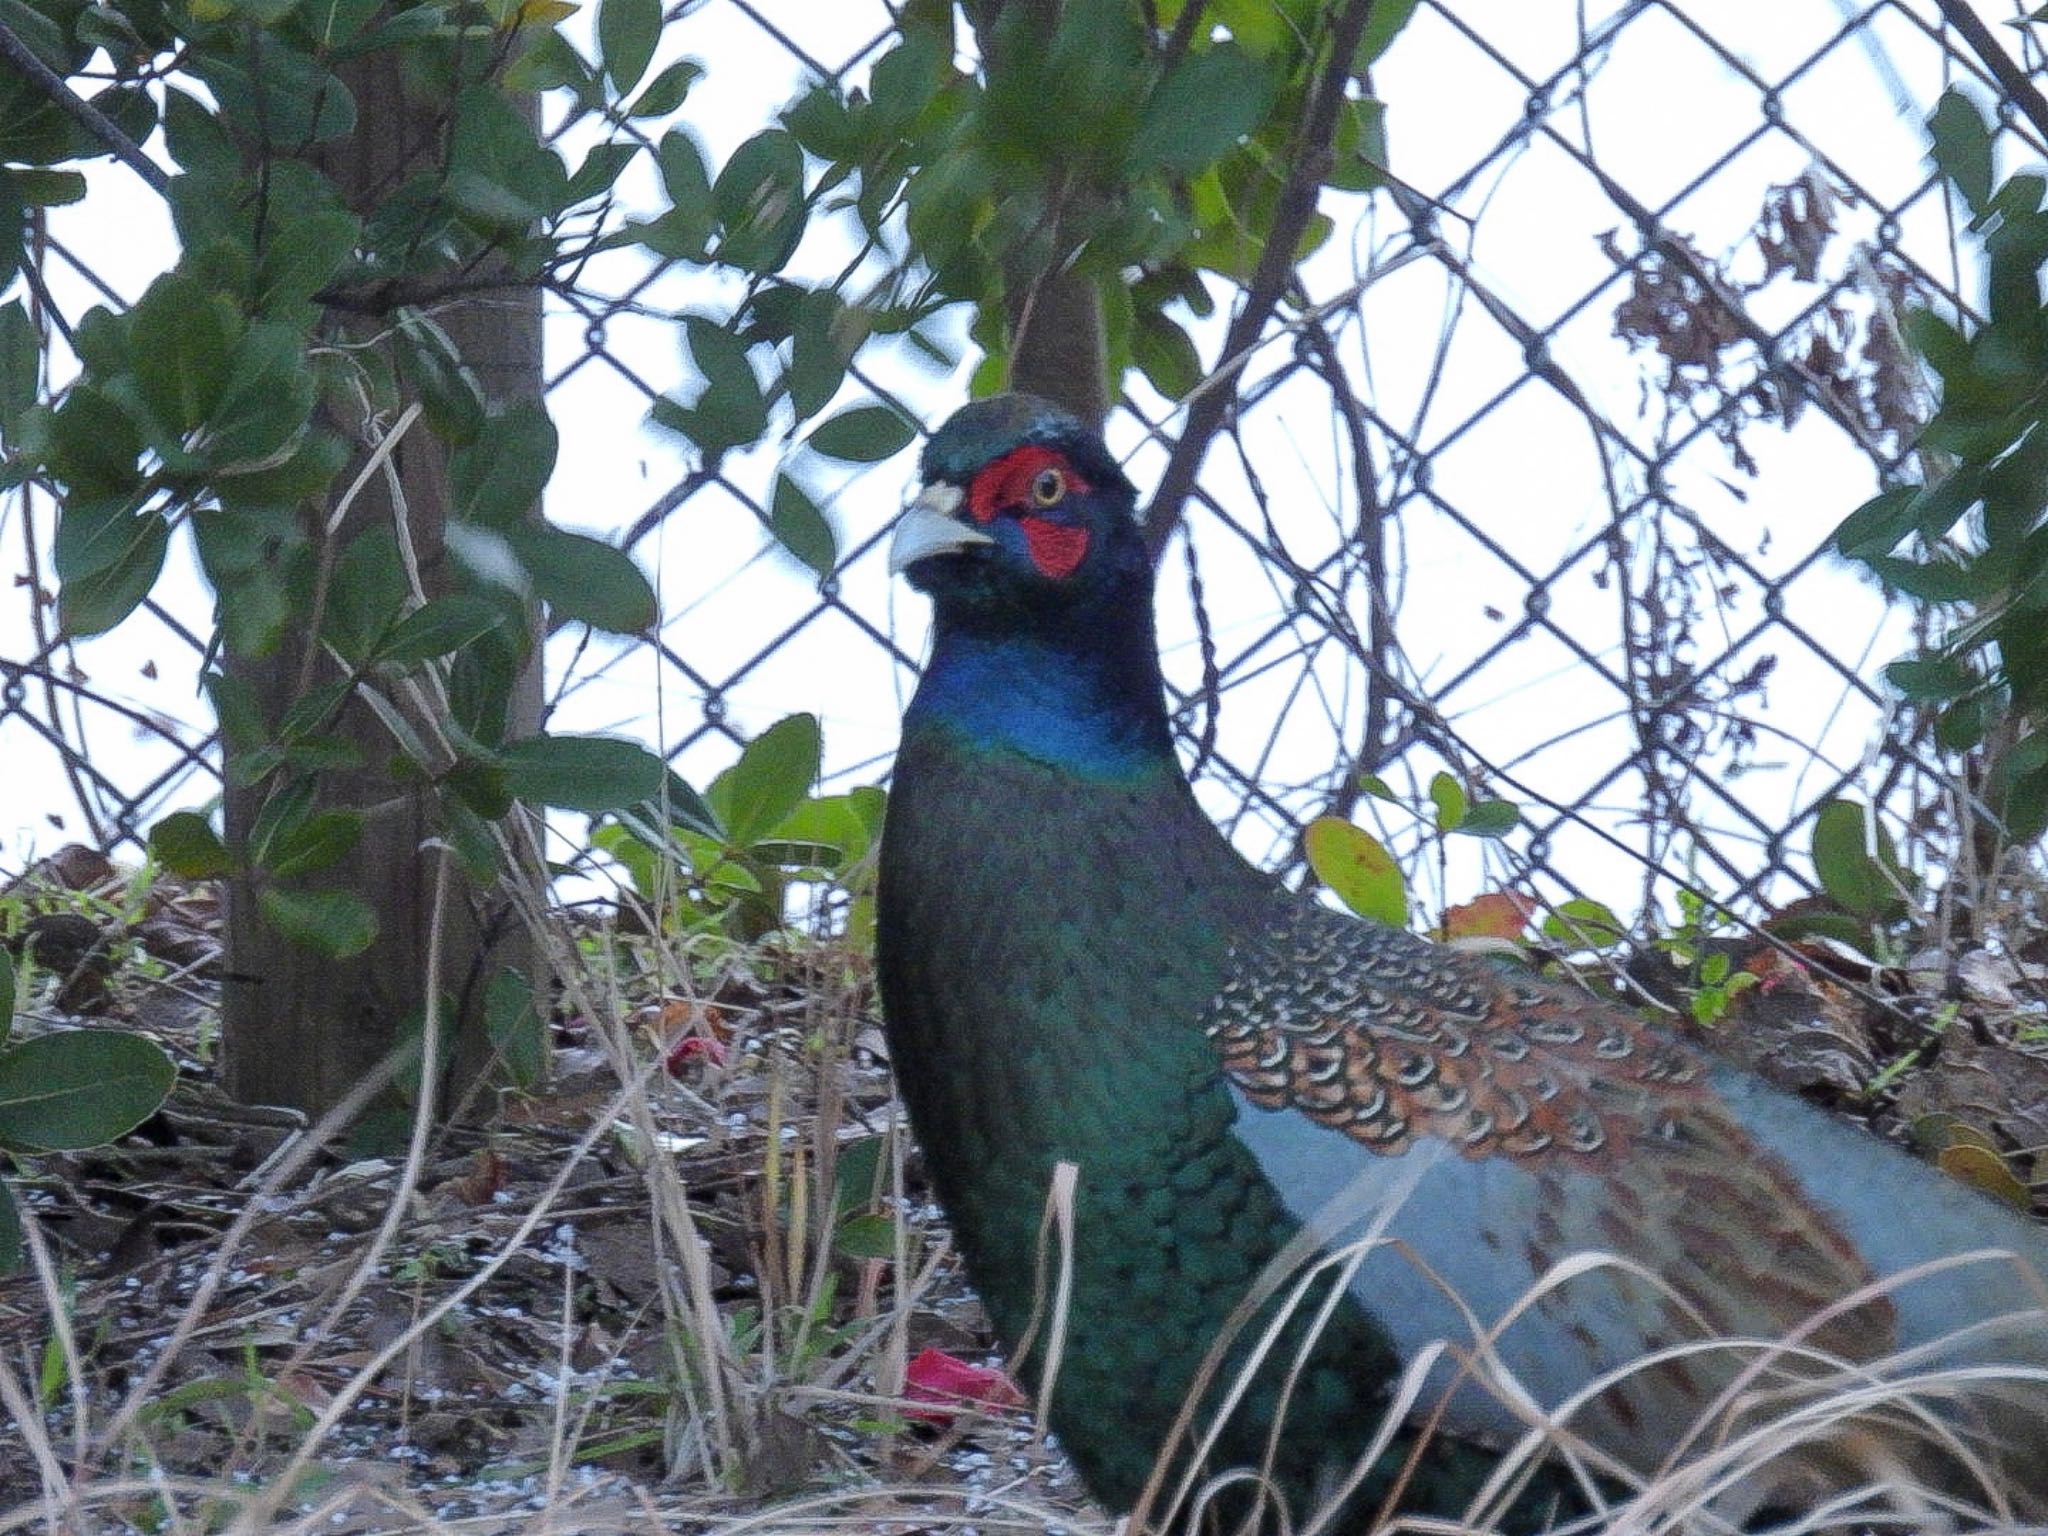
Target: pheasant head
1023,507
1027,540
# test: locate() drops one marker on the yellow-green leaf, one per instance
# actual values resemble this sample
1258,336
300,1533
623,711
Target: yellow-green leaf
1987,1171
1354,864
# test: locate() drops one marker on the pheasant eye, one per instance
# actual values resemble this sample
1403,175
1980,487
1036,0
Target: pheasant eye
1048,486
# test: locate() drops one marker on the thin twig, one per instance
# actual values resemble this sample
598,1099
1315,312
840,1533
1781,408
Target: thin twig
83,112
1309,161
1183,34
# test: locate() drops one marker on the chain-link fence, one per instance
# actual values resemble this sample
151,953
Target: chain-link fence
1533,484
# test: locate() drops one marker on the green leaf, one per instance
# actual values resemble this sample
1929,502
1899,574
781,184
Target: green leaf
634,853
773,774
1166,356
731,410
479,788
856,1175
1448,796
825,831
1962,147
600,171
823,125
498,171
693,214
1198,113
2017,787
867,1236
319,842
333,23
94,444
1961,725
6,995
819,348
515,1028
80,1088
94,603
42,188
593,774
440,626
667,91
368,593
288,807
801,528
1877,526
302,257
267,398
627,31
583,579
1931,676
13,229
182,338
253,619
197,139
1866,884
1934,338
1491,818
497,477
905,79
20,362
316,709
548,63
865,434
760,201
185,843
93,532
1357,867
1583,923
10,1231
453,399
678,806
258,520
238,709
1381,28
337,924
1939,580
272,91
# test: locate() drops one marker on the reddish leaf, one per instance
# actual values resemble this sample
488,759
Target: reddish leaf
1496,915
1773,968
482,1182
691,1048
937,1377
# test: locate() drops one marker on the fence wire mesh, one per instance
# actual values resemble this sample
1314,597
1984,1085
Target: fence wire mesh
1531,484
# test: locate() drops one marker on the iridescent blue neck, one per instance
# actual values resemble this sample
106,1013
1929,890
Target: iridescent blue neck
1088,702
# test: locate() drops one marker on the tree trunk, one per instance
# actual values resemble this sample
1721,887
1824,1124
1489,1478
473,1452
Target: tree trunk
1058,346
300,1028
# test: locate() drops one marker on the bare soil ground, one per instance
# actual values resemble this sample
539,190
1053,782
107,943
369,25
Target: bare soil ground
655,1294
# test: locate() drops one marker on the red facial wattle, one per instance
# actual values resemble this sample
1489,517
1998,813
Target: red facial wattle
1057,549
1006,486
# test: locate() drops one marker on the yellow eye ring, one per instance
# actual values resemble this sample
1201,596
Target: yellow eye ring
1048,487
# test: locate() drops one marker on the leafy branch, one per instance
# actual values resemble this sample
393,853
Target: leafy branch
1309,161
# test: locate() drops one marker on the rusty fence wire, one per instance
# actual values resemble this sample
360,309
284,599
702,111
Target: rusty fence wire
1531,486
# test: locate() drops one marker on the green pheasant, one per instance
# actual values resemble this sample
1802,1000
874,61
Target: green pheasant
1077,967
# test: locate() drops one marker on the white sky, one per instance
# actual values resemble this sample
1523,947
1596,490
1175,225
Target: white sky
1657,112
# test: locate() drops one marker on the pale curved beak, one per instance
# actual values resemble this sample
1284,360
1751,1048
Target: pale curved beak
931,525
